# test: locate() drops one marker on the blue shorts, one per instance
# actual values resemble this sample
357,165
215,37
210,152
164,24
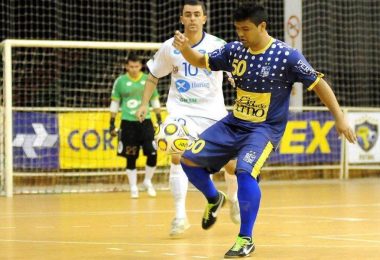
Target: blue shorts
226,140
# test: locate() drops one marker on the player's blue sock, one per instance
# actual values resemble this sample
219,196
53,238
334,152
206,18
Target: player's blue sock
200,178
249,196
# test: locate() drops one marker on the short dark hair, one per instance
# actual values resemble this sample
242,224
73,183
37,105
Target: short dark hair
132,57
194,2
252,11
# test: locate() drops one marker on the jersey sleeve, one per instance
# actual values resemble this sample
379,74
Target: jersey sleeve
115,95
159,65
220,59
302,71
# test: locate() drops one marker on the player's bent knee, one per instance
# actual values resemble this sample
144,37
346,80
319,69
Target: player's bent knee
257,178
230,167
176,159
151,160
188,162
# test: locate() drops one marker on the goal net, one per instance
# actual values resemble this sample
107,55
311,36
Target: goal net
60,94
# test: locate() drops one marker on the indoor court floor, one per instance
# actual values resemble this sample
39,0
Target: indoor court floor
324,219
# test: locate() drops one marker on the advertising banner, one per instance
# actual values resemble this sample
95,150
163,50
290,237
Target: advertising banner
366,126
87,144
309,138
82,141
35,141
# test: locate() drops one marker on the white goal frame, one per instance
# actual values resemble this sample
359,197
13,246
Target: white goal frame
7,46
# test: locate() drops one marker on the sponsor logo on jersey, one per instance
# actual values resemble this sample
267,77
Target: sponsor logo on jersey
265,70
184,86
251,106
189,100
304,68
250,157
133,103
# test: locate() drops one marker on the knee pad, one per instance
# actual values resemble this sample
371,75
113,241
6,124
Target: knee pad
151,160
131,162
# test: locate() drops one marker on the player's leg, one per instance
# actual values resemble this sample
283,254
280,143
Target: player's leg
232,187
200,124
250,161
128,147
178,186
131,172
206,156
151,153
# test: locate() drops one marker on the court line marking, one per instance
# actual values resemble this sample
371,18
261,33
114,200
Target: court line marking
170,254
45,227
320,217
179,244
81,226
115,249
347,239
357,234
101,213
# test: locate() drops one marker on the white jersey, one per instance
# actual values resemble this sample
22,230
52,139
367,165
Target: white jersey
193,91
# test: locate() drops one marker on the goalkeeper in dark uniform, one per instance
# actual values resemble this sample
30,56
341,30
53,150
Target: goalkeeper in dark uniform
126,94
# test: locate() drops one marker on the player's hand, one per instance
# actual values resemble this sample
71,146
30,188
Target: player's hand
343,128
112,129
141,113
180,41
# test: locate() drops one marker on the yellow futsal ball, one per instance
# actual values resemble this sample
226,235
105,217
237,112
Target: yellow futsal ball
172,137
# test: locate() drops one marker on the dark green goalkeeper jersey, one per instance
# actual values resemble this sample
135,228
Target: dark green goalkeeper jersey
129,92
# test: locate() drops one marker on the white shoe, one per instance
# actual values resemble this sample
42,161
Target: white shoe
234,211
150,189
179,225
134,192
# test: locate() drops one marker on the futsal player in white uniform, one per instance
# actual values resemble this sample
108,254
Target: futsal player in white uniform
195,98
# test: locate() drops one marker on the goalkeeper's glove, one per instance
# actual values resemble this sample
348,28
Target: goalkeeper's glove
112,128
156,126
159,119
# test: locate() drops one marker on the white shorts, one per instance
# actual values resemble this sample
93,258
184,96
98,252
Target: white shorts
195,124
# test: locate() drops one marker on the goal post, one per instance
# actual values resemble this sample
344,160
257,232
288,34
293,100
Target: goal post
7,115
7,107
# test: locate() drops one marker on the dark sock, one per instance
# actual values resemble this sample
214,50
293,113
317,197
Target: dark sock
214,200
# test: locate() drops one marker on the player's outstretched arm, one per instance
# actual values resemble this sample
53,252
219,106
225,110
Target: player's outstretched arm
181,43
327,96
150,86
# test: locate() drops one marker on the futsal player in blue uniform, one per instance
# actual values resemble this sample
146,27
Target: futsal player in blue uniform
264,70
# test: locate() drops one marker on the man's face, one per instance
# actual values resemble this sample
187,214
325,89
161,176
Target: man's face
133,68
193,18
249,34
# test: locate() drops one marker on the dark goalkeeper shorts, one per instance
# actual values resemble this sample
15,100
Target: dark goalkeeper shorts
134,134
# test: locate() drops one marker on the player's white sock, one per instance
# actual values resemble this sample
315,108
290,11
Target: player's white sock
132,177
149,172
178,185
232,187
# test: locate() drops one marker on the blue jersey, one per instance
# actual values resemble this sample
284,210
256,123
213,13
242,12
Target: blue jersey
263,82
